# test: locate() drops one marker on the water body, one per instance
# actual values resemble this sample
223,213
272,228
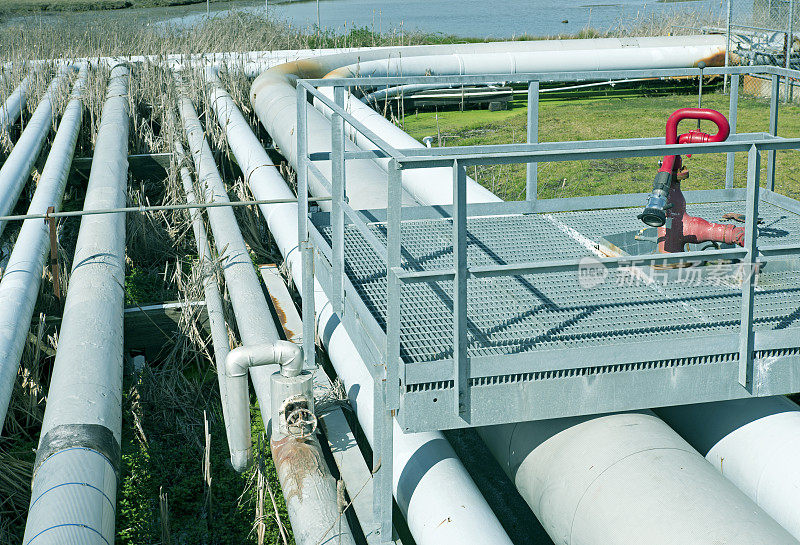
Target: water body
488,18
466,18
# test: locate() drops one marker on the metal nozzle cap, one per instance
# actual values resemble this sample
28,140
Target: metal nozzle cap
654,217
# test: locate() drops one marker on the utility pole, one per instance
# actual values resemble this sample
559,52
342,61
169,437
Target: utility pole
318,27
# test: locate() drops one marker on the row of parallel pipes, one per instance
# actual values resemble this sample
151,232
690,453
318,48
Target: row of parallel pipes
19,285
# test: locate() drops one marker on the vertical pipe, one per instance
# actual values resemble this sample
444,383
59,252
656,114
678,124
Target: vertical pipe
430,483
17,167
19,286
531,186
733,114
75,474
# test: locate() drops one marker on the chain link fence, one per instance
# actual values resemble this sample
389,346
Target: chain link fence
765,32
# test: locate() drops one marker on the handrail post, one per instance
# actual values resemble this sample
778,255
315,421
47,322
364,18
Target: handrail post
748,264
460,356
386,382
306,248
338,196
733,113
532,172
773,130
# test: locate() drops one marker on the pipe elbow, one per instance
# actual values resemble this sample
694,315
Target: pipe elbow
284,353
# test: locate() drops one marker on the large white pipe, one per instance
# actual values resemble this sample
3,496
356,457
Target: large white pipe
430,483
520,62
755,443
520,450
19,286
74,488
625,479
17,168
12,107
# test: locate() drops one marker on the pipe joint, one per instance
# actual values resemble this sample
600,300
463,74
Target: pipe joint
284,353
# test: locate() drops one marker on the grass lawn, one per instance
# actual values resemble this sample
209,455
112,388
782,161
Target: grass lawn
603,117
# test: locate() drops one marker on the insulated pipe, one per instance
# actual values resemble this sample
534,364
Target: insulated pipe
12,108
284,353
216,315
309,488
19,285
319,140
430,482
625,479
755,443
253,315
554,475
520,62
417,182
17,167
75,474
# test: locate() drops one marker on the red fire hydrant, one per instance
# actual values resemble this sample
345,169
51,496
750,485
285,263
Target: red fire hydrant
666,207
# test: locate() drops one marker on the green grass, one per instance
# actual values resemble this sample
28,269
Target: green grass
603,117
166,458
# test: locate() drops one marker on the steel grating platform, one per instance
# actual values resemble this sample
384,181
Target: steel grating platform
631,318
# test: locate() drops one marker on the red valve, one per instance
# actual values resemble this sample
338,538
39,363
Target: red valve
684,228
672,163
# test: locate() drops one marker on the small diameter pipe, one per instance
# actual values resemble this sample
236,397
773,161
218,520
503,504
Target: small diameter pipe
755,443
17,168
252,312
315,517
431,484
284,353
216,315
19,286
12,108
75,474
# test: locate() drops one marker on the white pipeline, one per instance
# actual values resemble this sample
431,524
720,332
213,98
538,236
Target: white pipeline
17,168
216,316
19,286
74,490
755,443
12,108
430,483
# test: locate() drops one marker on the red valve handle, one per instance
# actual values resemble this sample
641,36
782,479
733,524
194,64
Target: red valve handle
672,162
